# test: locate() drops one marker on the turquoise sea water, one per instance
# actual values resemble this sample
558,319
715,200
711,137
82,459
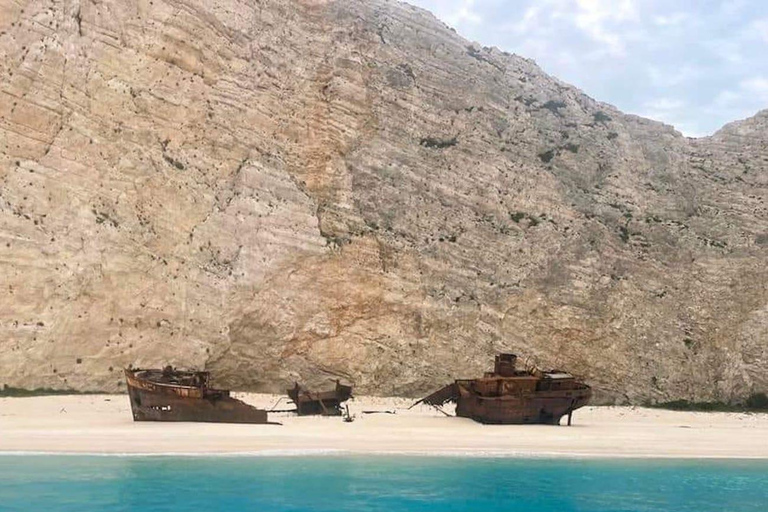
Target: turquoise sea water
314,484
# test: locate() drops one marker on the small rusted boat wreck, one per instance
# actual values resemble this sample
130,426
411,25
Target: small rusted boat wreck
511,396
325,403
176,395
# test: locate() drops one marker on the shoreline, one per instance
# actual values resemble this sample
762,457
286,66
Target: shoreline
102,425
287,454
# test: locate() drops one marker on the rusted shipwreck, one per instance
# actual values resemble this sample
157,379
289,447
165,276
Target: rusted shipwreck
511,396
176,395
325,403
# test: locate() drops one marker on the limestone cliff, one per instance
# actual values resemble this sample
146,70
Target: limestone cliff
307,189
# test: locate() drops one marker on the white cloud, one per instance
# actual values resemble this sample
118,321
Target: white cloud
759,28
595,18
757,86
741,101
672,111
670,20
727,50
601,21
664,109
688,129
456,13
665,104
726,99
528,22
608,10
542,16
673,77
732,8
465,12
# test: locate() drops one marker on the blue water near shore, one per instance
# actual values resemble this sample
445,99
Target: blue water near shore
356,483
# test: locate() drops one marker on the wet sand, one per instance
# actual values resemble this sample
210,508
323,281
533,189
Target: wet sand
103,424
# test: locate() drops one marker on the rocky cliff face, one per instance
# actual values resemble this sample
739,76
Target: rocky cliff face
307,189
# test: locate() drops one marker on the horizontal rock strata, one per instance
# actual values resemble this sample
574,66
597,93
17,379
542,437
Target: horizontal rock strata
284,190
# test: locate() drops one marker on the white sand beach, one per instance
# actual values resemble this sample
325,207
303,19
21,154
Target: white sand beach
103,424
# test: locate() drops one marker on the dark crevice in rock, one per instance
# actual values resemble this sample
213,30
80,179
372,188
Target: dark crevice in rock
177,164
601,117
477,54
554,106
103,217
436,143
547,156
79,21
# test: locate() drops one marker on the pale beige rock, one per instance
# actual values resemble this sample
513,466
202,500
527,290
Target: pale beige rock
317,189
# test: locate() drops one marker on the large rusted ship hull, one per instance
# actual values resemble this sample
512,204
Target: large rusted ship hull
159,401
509,410
514,397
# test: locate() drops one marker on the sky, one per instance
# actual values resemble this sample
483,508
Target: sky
694,64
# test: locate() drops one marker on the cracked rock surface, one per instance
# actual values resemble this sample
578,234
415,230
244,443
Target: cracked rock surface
284,190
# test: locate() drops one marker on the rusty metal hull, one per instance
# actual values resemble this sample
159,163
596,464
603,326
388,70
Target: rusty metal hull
324,403
510,396
154,400
540,408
